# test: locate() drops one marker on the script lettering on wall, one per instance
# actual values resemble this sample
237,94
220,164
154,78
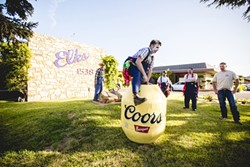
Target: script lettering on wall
69,57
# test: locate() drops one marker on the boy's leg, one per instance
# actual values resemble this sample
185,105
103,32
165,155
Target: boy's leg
136,80
136,83
97,92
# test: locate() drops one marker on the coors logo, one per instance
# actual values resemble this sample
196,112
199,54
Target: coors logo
130,113
142,129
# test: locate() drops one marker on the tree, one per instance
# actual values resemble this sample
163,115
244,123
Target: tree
233,4
168,72
15,55
14,64
14,26
111,72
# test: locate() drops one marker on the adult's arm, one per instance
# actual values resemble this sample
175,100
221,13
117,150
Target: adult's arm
236,84
215,87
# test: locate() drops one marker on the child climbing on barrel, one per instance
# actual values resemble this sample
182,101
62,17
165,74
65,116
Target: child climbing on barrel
139,68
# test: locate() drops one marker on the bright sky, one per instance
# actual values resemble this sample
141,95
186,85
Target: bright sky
190,31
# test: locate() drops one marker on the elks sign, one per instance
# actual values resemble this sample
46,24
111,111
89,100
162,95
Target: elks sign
69,57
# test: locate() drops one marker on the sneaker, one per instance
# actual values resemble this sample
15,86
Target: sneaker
95,101
222,118
139,100
194,109
238,122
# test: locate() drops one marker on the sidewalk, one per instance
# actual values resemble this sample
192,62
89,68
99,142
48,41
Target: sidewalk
202,93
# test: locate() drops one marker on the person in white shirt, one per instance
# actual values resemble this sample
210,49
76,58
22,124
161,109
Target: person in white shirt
139,67
190,89
222,85
164,83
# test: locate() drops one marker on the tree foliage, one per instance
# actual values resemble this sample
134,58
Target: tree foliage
14,64
111,71
233,4
13,19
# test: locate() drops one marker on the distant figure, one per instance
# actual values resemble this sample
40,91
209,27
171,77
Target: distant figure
190,89
119,83
139,66
222,85
164,83
99,80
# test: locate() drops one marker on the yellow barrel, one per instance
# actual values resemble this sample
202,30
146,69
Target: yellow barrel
145,122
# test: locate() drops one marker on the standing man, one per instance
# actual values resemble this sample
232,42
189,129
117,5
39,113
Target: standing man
139,66
99,80
222,85
164,83
190,89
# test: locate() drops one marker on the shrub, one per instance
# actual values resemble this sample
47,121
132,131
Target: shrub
243,101
208,97
14,65
110,71
241,88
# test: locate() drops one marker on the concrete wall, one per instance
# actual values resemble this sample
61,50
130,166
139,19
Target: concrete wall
61,69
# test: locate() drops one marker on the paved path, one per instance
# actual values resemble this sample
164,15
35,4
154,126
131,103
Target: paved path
179,94
238,95
243,94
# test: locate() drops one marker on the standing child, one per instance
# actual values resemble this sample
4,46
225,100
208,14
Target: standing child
99,80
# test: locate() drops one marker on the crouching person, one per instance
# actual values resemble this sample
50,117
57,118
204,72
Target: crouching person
139,67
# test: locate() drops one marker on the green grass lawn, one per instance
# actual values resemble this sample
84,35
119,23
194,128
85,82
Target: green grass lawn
80,133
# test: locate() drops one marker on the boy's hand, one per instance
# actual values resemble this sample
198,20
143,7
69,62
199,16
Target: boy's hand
145,79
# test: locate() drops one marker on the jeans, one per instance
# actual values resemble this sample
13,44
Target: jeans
137,76
136,80
98,88
222,95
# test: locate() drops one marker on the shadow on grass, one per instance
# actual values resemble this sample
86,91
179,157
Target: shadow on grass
91,132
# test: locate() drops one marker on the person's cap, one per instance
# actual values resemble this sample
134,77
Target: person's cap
164,72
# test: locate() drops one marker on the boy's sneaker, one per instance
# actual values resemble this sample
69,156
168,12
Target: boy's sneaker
139,100
222,118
